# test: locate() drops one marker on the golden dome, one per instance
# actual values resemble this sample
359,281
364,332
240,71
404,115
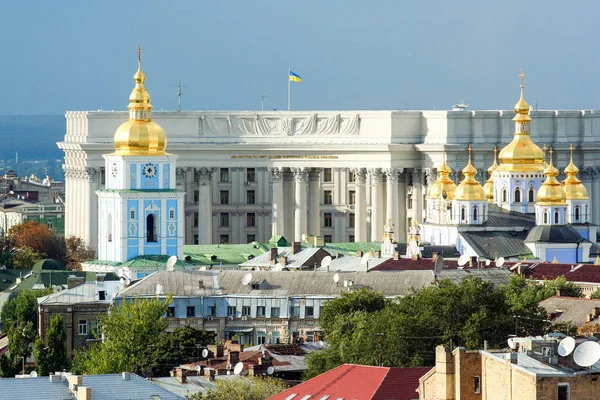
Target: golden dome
443,184
488,188
140,135
469,188
521,154
551,192
574,189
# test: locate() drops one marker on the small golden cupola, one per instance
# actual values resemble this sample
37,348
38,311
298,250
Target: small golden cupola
443,185
140,135
488,188
551,192
521,154
574,189
469,188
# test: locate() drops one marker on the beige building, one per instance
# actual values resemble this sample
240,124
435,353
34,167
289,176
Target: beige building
533,372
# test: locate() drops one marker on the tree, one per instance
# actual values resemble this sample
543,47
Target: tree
36,240
6,253
246,388
52,355
20,339
22,308
596,294
26,257
128,331
77,251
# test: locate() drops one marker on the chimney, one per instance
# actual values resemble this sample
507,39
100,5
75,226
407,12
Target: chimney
181,375
75,379
216,350
360,253
514,357
283,260
396,255
233,357
54,378
296,247
253,370
273,254
209,374
84,393
588,318
377,254
126,376
561,292
100,277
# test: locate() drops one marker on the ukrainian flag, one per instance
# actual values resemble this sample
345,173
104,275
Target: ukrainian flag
295,77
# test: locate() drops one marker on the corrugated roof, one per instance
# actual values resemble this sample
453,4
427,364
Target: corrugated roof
298,260
352,264
84,293
554,234
582,273
570,309
500,218
493,244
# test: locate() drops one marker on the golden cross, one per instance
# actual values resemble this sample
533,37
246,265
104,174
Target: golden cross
139,51
522,76
469,152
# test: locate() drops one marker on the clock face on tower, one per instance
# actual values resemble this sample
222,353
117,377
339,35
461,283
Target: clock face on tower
149,170
115,169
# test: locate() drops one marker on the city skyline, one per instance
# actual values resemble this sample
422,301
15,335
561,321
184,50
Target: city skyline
78,56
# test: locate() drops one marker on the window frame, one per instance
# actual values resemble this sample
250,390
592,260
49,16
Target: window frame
224,220
224,175
275,314
246,311
224,197
307,309
251,197
250,175
477,384
261,311
328,220
190,312
327,197
327,175
231,311
251,220
171,312
82,327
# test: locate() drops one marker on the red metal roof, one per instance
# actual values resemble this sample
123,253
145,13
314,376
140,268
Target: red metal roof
572,272
359,382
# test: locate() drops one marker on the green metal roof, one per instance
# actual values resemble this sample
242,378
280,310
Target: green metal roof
350,248
225,253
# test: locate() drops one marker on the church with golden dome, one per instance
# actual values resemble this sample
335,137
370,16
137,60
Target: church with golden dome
522,210
140,210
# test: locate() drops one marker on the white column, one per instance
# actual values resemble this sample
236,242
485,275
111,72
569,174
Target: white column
376,205
288,200
314,202
91,200
417,195
595,196
360,208
300,209
401,227
204,206
278,210
392,199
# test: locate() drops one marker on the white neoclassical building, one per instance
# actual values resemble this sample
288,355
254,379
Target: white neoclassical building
248,175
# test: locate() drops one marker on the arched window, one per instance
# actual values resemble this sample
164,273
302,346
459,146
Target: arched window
517,195
109,227
556,217
545,219
531,198
504,196
151,228
462,213
475,213
577,213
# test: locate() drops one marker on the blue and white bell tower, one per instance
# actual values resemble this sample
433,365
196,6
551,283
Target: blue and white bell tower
140,211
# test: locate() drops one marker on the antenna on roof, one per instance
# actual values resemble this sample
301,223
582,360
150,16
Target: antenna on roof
247,279
462,260
587,354
500,262
171,263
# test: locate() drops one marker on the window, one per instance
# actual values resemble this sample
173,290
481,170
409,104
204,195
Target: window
351,197
196,241
351,220
274,312
195,220
328,239
504,196
309,311
250,219
462,213
563,391
250,238
190,311
260,311
171,312
102,295
151,228
224,220
250,175
327,175
475,212
196,196
102,176
351,176
261,340
295,311
327,220
530,196
224,198
132,213
327,197
224,175
251,197
93,328
172,213
49,224
246,310
109,227
224,239
83,327
477,384
545,217
556,217
517,195
211,311
351,238
231,310
577,212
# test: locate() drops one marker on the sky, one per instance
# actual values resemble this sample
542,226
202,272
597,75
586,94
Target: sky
81,55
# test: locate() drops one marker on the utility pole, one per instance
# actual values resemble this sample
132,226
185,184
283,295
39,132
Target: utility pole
262,100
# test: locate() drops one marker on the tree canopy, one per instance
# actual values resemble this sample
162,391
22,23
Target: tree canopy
245,388
51,355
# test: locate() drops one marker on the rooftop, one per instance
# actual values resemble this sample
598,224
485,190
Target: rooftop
84,293
570,309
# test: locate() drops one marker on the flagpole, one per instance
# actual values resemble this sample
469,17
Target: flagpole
289,87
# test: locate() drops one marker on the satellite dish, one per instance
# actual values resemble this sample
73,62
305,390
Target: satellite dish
203,268
171,263
270,370
239,367
33,374
278,267
511,343
439,265
566,346
345,283
336,277
587,354
500,262
121,272
247,279
365,258
462,260
304,237
326,261
204,353
159,289
487,263
198,368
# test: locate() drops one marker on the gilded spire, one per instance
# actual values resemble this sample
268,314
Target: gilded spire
522,108
140,135
488,188
469,188
443,185
551,192
574,189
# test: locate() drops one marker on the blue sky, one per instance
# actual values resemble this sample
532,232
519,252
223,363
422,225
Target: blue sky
80,55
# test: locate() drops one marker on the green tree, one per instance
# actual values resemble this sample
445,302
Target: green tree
20,339
52,355
246,388
77,251
26,257
22,308
596,294
6,251
128,331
